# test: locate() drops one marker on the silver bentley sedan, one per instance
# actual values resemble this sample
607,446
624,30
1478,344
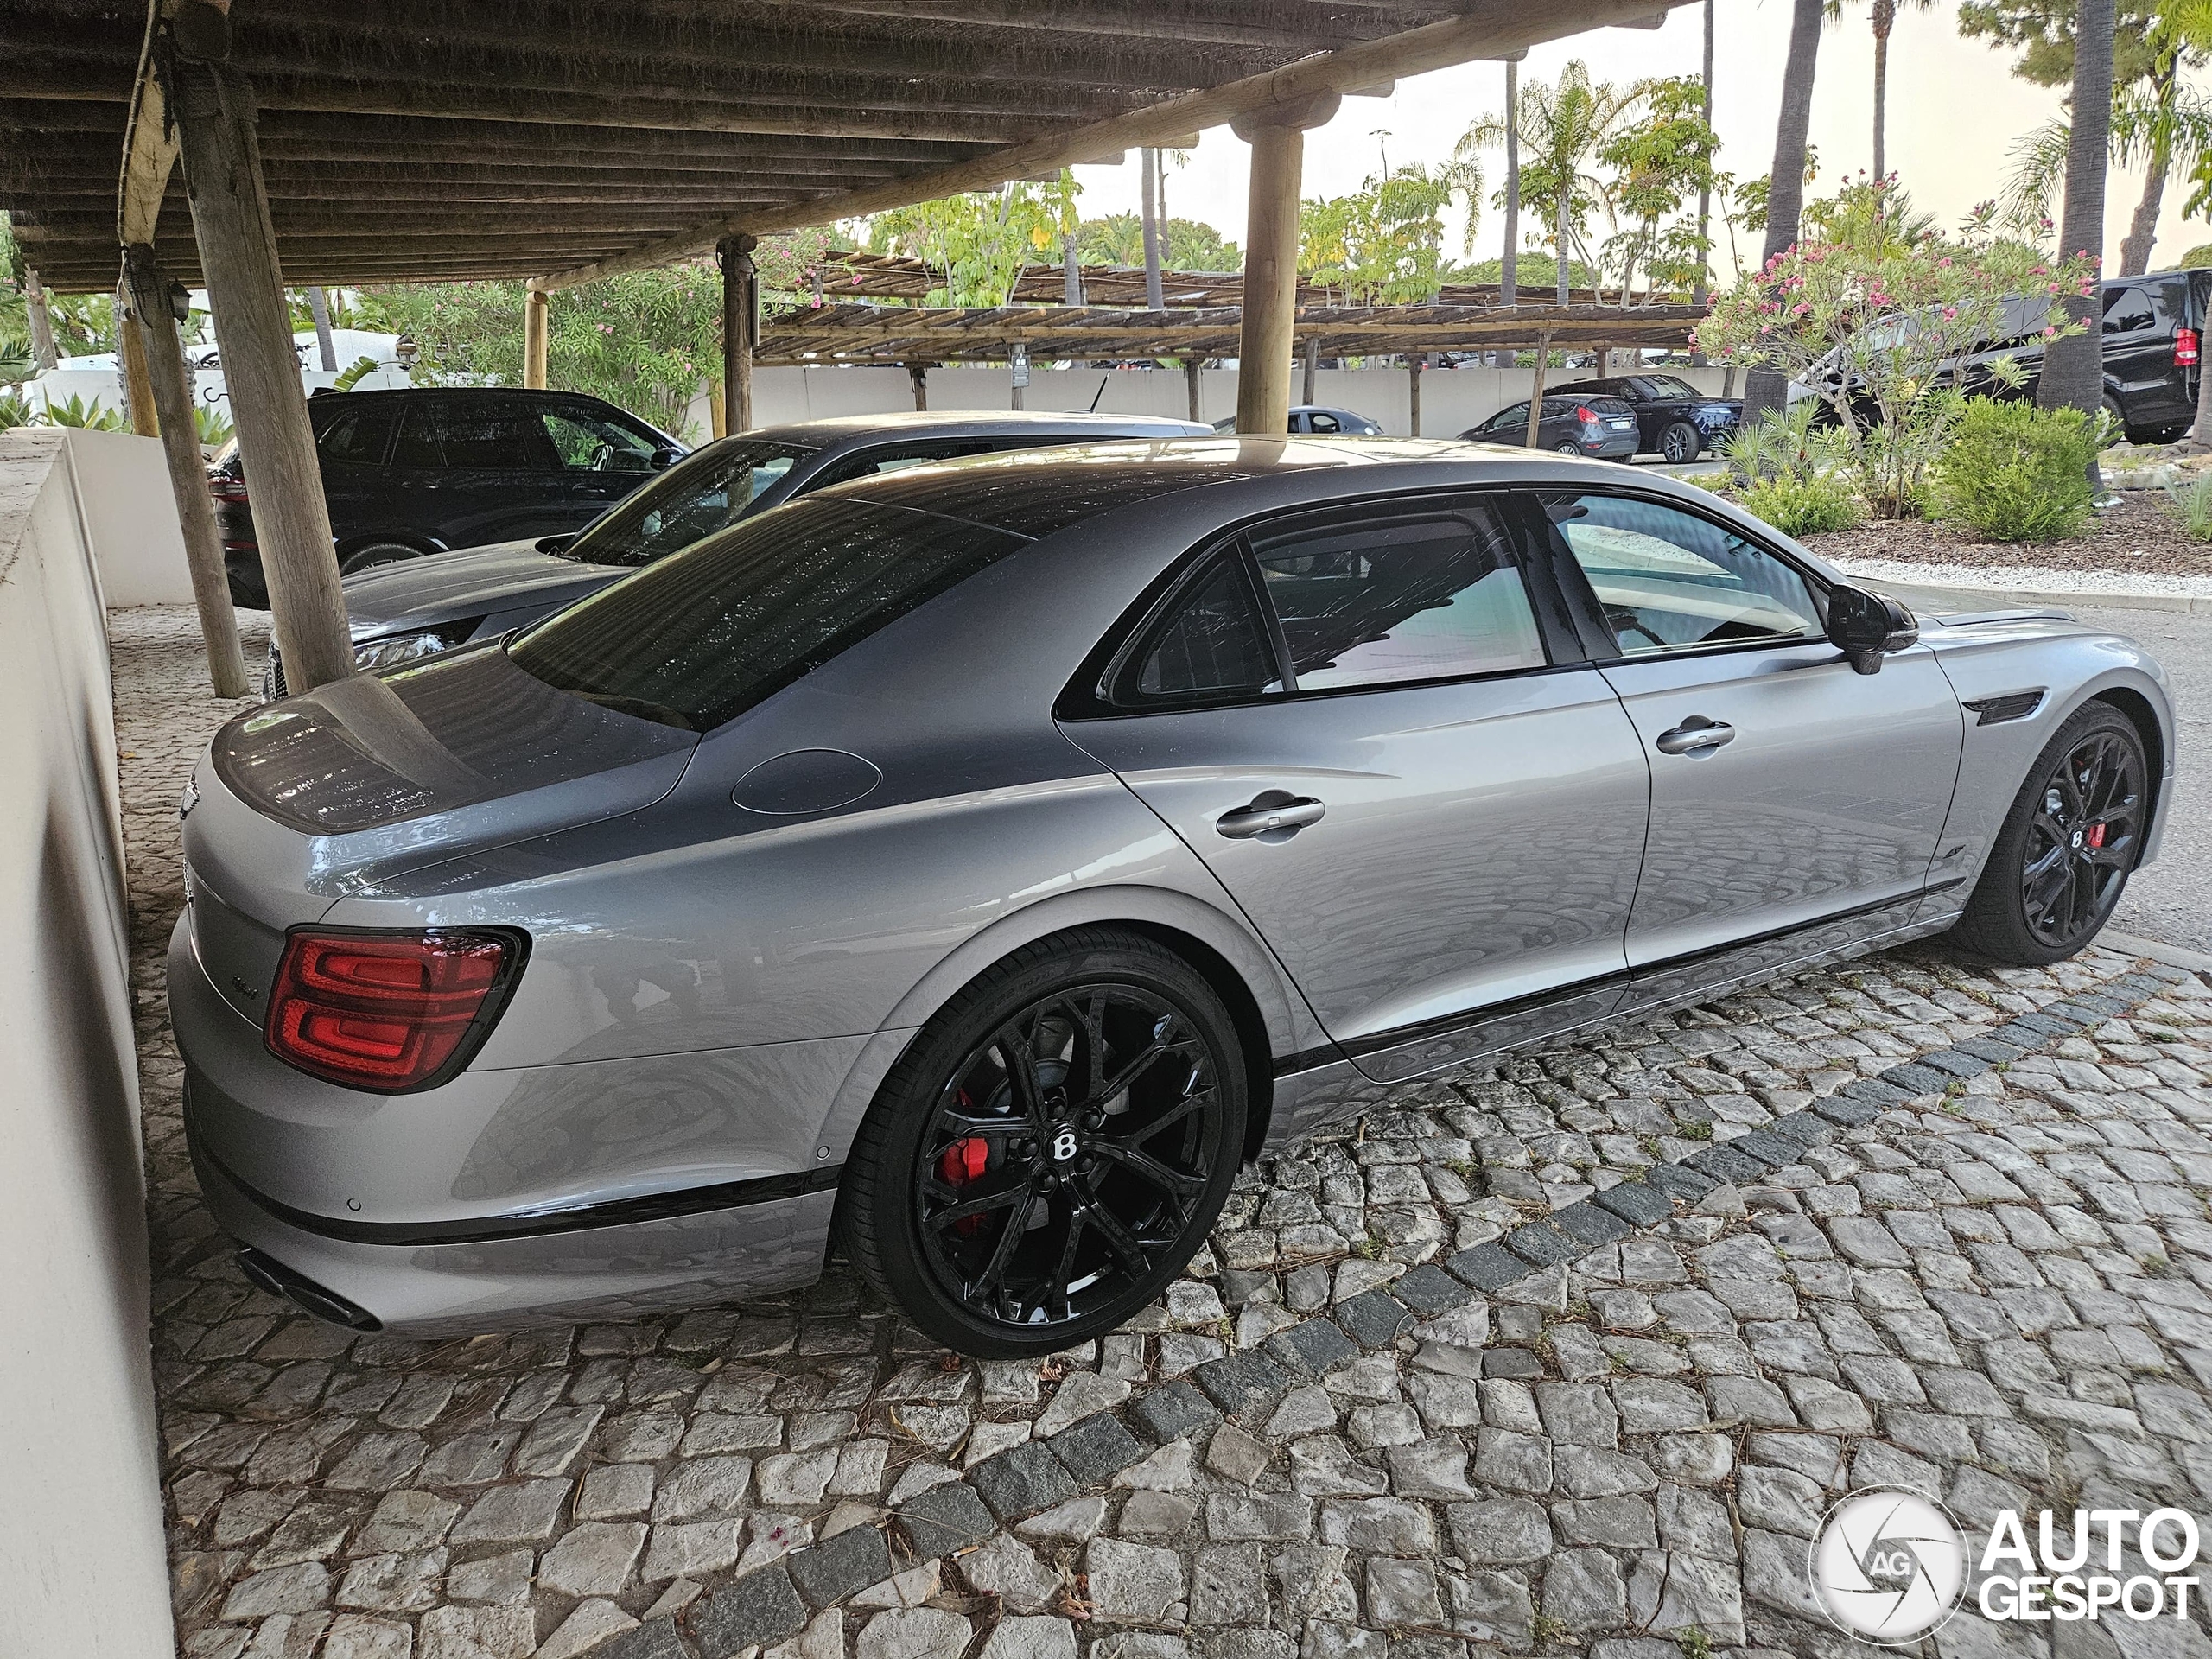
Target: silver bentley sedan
969,867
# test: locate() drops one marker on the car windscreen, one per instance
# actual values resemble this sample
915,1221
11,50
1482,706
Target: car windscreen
703,636
691,501
1668,385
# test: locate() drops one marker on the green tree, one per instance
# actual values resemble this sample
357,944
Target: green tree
1659,161
981,241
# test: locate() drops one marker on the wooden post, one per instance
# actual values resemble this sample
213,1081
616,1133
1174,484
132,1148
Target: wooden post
919,374
1605,355
326,348
741,327
1017,373
1412,384
1070,271
214,106
1263,352
1313,364
154,326
1536,392
536,336
1190,385
137,392
42,352
717,411
1150,181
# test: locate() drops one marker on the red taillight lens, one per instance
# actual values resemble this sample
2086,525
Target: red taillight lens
1586,415
385,1011
226,489
2185,348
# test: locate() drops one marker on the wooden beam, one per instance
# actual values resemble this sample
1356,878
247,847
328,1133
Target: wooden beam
155,325
1490,29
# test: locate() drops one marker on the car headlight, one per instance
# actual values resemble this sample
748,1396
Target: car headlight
394,649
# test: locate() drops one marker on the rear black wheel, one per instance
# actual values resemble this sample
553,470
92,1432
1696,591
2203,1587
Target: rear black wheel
1680,442
1567,449
2062,858
376,556
1051,1150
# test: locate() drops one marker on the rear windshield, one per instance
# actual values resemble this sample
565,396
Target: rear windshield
694,499
705,634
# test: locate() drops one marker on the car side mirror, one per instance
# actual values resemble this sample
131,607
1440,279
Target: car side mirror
1865,627
666,457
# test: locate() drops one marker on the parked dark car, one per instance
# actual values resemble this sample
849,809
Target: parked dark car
1674,419
425,471
1604,427
1320,420
2153,329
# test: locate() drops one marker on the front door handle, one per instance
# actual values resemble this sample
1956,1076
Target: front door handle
1695,735
1274,815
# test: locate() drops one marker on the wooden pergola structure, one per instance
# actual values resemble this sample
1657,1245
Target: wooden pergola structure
571,140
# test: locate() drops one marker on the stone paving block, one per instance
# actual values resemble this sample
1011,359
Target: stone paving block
842,1565
1916,1080
1640,1203
1096,1449
1237,1381
1312,1347
1428,1290
657,1638
1022,1481
1374,1318
1487,1267
1680,1181
1956,1062
1993,1049
946,1518
1543,1245
1763,1145
1174,1410
1724,1165
1803,1130
1850,1110
1591,1224
760,1608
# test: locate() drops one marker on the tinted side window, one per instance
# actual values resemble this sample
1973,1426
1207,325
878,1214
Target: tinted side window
1212,644
2128,311
1435,595
1511,414
492,434
421,430
2170,295
587,441
360,436
1667,580
893,459
1321,421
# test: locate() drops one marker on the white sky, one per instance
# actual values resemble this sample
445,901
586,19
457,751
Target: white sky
1954,111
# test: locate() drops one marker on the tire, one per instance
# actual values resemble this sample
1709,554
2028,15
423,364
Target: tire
2016,916
2120,418
1680,441
1567,448
931,1133
375,555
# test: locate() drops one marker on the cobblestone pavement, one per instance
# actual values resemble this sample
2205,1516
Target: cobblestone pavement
1568,1353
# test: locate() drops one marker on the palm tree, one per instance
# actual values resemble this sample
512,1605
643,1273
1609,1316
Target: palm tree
2073,376
1562,127
1512,254
1764,389
1883,16
1702,292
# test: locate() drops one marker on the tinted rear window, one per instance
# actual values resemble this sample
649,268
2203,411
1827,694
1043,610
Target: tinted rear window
699,637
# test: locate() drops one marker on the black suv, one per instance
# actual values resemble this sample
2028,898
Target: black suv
428,470
1674,419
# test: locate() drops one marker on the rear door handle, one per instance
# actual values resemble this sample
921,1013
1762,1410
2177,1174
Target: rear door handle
1695,734
1269,813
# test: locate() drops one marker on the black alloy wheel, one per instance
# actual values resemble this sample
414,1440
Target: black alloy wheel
376,556
1568,448
1680,442
1053,1148
2062,858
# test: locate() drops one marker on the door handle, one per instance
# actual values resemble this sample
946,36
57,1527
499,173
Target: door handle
1694,735
1269,813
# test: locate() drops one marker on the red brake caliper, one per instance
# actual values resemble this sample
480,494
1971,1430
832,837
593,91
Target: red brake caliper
2096,836
960,1163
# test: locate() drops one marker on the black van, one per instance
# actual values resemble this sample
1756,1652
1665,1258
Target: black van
430,469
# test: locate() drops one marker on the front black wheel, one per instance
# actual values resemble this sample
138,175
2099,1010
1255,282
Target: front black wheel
376,556
1680,442
2061,861
1053,1149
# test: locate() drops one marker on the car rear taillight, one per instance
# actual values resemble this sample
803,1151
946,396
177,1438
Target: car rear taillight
2185,348
227,489
1586,415
387,1011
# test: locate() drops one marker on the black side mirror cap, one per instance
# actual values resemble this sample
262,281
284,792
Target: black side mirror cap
1865,627
666,457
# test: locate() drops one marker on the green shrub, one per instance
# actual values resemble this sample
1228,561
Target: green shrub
1805,504
2017,473
2192,509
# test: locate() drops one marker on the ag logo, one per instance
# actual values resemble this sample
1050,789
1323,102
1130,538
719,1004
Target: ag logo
1888,1565
1064,1146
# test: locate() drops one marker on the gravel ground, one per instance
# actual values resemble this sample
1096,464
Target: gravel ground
2135,538
1565,1354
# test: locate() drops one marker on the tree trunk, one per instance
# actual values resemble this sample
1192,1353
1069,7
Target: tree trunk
1563,232
1884,18
155,327
215,112
740,326
326,348
1701,295
1536,390
1070,271
1764,389
1152,300
42,352
2073,364
2143,228
1191,386
1506,271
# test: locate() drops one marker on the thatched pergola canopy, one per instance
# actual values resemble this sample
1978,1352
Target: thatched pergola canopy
422,140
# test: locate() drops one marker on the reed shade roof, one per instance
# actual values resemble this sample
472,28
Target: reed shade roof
428,140
865,333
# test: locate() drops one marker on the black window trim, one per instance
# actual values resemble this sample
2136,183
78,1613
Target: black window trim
1089,693
1583,598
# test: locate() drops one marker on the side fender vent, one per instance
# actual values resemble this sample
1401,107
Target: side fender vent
2013,705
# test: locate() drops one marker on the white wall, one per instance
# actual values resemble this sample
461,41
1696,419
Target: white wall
130,515
1452,400
83,1566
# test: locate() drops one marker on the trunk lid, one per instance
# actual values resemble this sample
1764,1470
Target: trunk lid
443,586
